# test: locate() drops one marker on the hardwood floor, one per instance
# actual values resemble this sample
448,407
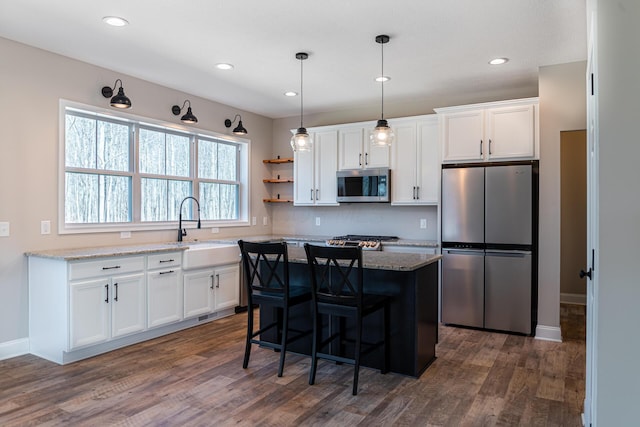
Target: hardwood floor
195,378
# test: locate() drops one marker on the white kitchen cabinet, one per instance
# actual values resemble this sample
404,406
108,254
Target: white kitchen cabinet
506,130
106,307
164,296
415,176
355,151
314,180
212,289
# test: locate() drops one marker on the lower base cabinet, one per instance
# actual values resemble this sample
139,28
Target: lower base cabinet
211,289
164,297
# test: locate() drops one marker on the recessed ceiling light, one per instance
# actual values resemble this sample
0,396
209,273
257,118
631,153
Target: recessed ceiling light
224,66
115,21
291,93
383,78
499,61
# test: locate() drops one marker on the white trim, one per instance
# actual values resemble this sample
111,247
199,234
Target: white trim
578,299
14,348
548,333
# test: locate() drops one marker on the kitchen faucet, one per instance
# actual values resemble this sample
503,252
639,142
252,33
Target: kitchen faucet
183,231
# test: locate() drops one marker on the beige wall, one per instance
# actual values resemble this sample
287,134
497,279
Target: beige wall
32,82
562,107
573,213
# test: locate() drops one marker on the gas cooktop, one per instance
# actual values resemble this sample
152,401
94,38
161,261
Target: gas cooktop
371,243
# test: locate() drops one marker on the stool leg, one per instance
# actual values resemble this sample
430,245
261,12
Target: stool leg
283,343
247,347
314,347
387,338
356,367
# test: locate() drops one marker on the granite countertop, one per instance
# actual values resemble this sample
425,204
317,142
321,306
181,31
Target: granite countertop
107,251
373,259
378,260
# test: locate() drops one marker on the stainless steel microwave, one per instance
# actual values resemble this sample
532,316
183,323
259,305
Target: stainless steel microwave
363,185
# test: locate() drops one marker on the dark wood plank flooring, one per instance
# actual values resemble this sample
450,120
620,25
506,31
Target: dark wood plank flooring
195,378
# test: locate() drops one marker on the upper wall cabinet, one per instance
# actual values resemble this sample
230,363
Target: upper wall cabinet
356,152
496,131
415,161
314,171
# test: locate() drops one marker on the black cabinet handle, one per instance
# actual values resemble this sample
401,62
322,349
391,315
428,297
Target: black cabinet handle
585,273
414,192
489,147
111,268
211,282
166,260
166,272
218,278
115,296
366,158
481,147
106,287
311,197
360,159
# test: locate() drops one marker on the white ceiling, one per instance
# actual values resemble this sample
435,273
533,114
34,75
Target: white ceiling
436,46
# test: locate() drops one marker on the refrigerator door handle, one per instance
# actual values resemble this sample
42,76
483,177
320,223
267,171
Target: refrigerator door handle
513,254
462,251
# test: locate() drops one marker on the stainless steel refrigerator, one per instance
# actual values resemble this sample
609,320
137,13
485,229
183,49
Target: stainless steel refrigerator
489,245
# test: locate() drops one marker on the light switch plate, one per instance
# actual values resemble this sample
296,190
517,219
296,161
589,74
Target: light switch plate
423,223
317,220
265,220
253,220
45,227
5,229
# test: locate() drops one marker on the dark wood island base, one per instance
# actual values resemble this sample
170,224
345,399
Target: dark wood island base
411,280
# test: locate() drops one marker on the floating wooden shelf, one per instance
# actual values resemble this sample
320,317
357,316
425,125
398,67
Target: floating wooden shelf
277,200
287,160
278,180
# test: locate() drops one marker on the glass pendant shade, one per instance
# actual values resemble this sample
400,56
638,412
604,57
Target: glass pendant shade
301,141
382,135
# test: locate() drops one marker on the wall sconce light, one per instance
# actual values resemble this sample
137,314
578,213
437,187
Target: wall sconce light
188,117
238,130
120,100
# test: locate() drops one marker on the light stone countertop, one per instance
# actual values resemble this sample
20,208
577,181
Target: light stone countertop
373,259
379,260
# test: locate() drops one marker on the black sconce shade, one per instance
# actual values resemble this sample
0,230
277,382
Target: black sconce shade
120,100
238,130
188,117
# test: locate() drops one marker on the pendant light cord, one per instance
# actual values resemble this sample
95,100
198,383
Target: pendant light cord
301,93
382,82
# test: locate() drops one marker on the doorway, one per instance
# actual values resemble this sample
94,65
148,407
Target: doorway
573,215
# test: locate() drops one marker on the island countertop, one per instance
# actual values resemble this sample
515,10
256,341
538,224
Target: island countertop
379,260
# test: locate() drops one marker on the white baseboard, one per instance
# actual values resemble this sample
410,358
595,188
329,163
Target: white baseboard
548,333
579,299
14,348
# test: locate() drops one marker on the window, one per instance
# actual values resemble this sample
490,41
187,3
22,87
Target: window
124,173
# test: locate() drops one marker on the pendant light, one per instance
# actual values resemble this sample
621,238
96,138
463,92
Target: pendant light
382,135
301,141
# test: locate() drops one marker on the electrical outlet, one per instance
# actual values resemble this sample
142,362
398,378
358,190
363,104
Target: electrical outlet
265,220
423,223
45,227
317,220
253,220
5,229
125,234
215,230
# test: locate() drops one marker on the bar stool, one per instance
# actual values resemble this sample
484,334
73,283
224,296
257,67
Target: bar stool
267,274
337,291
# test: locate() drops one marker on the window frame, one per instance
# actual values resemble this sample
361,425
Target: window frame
243,171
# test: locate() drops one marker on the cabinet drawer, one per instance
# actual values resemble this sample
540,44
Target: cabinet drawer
163,260
105,267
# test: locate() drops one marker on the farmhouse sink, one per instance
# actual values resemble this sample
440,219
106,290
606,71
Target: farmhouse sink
208,254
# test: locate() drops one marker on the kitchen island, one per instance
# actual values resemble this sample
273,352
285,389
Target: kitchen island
411,280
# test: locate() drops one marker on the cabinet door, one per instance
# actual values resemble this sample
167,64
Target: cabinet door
350,155
198,292
462,135
128,304
510,132
227,286
303,174
89,311
164,297
404,171
326,164
428,155
375,156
